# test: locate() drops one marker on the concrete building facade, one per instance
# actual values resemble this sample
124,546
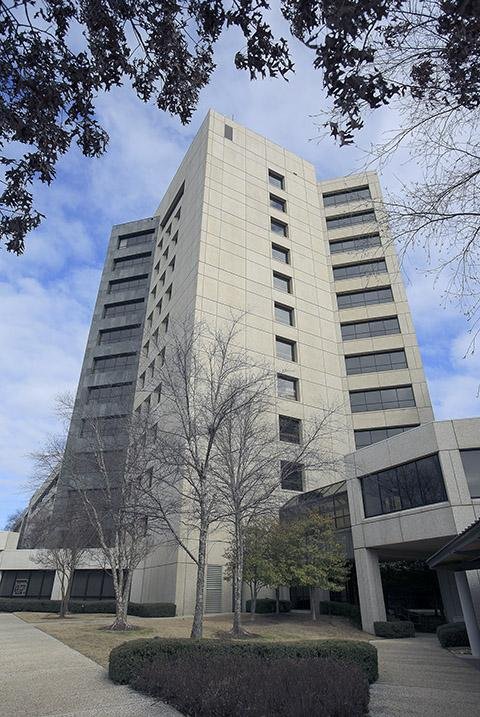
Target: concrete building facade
246,228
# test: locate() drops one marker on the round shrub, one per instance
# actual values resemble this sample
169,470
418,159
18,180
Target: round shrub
394,629
234,686
453,634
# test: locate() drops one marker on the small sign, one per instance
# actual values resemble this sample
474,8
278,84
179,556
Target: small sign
20,587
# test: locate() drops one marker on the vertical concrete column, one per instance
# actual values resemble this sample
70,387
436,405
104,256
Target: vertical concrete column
372,604
56,589
468,612
449,593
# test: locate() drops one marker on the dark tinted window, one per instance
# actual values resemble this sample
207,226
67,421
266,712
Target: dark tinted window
289,429
365,268
106,394
125,262
367,329
122,308
365,241
471,466
382,399
291,475
135,239
381,361
109,363
373,435
135,282
122,333
348,220
352,299
228,132
356,194
410,485
92,585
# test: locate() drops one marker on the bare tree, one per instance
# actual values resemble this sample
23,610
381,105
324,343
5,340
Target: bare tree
206,378
251,465
13,519
62,548
109,483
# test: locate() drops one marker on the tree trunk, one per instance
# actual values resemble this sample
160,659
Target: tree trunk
313,604
277,601
253,603
122,593
197,625
237,630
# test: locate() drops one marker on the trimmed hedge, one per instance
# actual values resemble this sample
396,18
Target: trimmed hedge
453,634
394,629
129,659
154,609
344,609
268,605
235,686
28,605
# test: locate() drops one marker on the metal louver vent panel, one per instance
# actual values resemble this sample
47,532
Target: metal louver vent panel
213,597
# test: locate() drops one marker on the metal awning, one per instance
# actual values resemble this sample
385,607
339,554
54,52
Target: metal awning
461,553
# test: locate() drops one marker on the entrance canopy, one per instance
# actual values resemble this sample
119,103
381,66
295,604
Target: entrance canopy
461,553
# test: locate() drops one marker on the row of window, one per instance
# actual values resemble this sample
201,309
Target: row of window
110,393
376,361
368,436
128,284
120,333
135,239
410,485
364,297
349,220
364,268
114,362
382,399
127,262
103,425
123,308
369,328
359,243
344,196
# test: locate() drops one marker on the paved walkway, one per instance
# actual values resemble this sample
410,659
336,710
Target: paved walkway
42,677
420,679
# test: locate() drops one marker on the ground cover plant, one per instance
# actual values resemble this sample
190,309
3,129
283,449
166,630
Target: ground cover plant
453,634
239,685
394,629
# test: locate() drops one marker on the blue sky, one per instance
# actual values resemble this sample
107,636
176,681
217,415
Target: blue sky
47,296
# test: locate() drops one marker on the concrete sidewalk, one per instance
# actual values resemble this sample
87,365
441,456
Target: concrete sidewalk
42,677
420,679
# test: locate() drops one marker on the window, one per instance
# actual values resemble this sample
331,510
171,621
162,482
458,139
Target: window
276,180
367,329
122,308
27,583
168,293
349,220
165,253
333,199
228,132
178,214
123,333
107,394
287,387
126,262
104,425
471,466
172,206
382,399
117,361
366,241
364,268
128,240
285,349
291,475
165,324
381,361
289,429
284,314
92,585
364,298
282,282
373,435
172,264
278,227
134,282
278,203
175,238
280,254
407,486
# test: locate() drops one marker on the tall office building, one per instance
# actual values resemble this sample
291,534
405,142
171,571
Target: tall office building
245,226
